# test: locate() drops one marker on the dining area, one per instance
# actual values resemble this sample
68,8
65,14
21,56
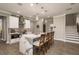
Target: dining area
43,43
31,44
37,35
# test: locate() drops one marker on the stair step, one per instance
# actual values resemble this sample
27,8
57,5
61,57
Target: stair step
71,34
72,38
77,42
71,31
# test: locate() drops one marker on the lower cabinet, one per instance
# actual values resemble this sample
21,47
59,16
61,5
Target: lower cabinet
25,47
22,46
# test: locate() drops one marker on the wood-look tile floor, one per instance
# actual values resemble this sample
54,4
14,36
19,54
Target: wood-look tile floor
63,48
59,48
9,49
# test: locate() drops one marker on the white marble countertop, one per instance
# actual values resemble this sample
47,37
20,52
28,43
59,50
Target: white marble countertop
30,37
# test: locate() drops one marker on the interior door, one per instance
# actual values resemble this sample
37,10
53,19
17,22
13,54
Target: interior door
44,27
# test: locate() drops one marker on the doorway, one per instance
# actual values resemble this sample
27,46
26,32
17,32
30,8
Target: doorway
71,28
70,19
3,29
44,27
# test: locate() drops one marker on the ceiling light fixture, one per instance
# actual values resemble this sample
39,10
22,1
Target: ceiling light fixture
37,18
18,11
42,19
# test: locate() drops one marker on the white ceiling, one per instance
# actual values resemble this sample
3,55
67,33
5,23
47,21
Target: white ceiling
52,8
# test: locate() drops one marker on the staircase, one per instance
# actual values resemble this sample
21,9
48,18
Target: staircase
71,34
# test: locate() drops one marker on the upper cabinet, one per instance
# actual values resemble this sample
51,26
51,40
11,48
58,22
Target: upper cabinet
13,22
27,24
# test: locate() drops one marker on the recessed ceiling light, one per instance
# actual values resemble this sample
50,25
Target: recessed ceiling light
31,4
42,19
18,11
64,14
42,12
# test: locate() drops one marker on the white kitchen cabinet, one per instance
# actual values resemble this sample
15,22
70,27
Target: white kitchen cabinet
13,22
24,45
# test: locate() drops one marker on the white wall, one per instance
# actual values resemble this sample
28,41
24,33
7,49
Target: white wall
34,28
59,22
27,24
40,23
40,29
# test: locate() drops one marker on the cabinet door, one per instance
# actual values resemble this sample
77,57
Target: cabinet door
22,46
13,22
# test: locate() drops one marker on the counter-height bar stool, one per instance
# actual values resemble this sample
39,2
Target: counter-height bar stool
48,40
39,45
46,43
52,38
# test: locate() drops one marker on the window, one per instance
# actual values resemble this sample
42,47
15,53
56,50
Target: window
13,22
27,23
